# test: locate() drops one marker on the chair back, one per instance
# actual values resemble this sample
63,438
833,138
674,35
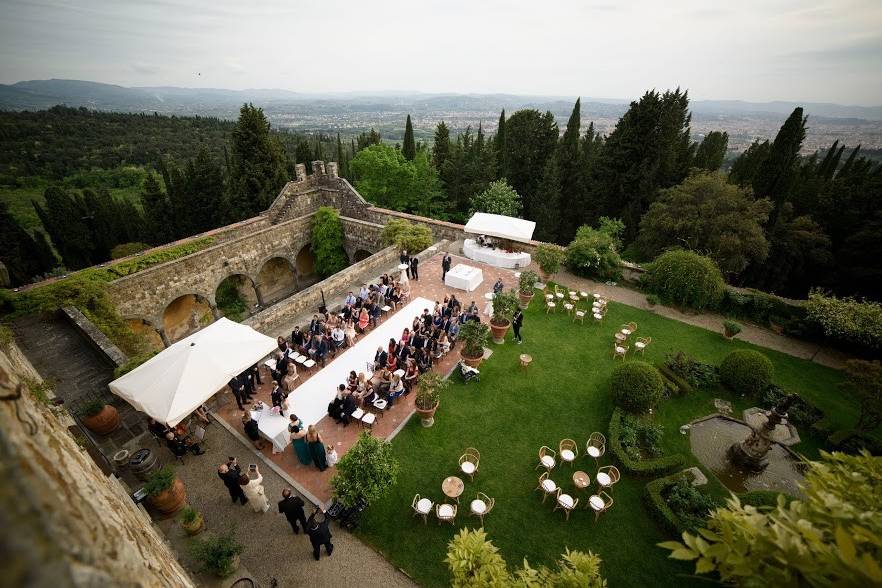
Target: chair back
199,432
542,478
568,444
612,472
445,518
632,326
490,502
413,503
546,450
607,499
645,340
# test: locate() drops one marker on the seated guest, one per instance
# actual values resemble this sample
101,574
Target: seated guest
453,332
452,302
347,311
392,347
405,336
349,331
411,373
381,388
251,430
315,324
363,319
418,341
427,318
331,322
404,352
335,408
380,359
473,308
396,389
350,298
363,292
374,312
297,339
179,447
498,286
423,361
348,406
338,337
351,381
385,279
283,345
416,324
321,349
391,362
443,345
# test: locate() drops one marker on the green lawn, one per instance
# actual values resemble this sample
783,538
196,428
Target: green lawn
509,414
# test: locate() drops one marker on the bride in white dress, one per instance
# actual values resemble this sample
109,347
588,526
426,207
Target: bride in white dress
255,493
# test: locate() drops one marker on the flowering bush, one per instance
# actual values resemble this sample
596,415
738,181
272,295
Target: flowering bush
847,320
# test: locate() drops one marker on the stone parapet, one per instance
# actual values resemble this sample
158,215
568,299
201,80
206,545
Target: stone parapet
93,334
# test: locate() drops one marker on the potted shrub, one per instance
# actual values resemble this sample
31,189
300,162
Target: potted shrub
192,521
731,328
165,491
504,306
218,554
474,336
428,398
549,257
526,288
100,418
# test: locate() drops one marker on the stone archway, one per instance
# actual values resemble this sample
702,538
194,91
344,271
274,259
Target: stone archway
185,315
236,297
361,255
276,279
146,330
306,267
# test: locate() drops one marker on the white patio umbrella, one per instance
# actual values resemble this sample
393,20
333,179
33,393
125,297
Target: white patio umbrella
175,382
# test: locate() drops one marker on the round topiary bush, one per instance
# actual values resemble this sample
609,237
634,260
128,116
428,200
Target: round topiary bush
746,372
685,278
636,386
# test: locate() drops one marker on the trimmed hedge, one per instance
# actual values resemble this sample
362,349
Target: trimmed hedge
685,278
643,467
658,506
636,386
747,372
683,387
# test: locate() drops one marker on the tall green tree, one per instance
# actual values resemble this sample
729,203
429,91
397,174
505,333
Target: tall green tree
548,216
441,146
65,219
409,146
499,147
205,205
161,226
327,242
569,159
468,170
775,174
257,164
387,179
530,139
24,256
747,164
498,198
365,140
711,151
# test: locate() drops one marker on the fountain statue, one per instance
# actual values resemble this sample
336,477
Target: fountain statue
752,453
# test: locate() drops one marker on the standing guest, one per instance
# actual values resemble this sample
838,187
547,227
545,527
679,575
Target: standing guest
298,440
251,430
277,396
253,490
331,456
297,339
414,267
290,379
375,312
229,475
516,321
292,507
283,345
348,406
316,448
238,392
445,265
319,533
498,286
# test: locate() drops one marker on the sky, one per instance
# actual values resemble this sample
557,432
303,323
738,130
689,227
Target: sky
758,50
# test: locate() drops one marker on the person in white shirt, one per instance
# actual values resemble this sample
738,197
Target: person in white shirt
363,293
350,298
338,336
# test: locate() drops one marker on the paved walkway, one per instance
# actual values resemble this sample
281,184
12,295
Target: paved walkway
710,321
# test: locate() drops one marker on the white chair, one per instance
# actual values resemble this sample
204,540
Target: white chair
607,476
596,446
620,350
547,458
380,405
445,512
580,315
550,306
565,502
558,294
641,343
368,420
598,317
584,295
549,297
547,486
301,359
481,506
469,462
568,451
309,364
600,502
357,414
620,337
421,507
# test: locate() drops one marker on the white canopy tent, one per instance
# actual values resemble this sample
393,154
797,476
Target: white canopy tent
175,382
497,225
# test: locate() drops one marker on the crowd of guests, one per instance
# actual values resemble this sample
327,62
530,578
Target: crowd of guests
179,439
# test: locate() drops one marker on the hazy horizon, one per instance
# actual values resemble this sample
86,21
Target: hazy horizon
781,50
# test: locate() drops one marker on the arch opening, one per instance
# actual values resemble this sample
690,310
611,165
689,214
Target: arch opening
306,262
361,255
146,330
236,297
276,279
185,315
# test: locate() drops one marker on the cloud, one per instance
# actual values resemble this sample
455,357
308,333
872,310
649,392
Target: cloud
145,69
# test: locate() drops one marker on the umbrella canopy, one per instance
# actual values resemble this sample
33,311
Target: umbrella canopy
497,225
175,382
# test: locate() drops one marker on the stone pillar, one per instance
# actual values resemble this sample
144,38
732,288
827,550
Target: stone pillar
214,312
332,169
300,171
164,337
318,168
259,293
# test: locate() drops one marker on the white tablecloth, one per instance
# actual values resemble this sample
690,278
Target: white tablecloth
273,427
494,257
464,277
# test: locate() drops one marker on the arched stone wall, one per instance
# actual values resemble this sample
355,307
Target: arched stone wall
142,327
241,286
276,279
305,262
185,315
360,255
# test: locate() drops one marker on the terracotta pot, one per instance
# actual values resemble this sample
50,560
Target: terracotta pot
427,414
472,361
171,500
525,299
104,422
234,564
196,526
499,331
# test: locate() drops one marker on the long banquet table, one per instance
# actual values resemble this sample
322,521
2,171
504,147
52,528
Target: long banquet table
495,257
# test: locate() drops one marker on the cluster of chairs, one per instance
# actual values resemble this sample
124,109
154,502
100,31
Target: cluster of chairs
568,453
621,337
570,300
480,506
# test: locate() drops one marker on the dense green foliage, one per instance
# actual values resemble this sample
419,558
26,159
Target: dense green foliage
685,278
549,257
407,236
593,253
388,179
711,151
847,320
747,372
365,472
864,382
327,242
23,255
690,505
635,444
216,553
498,198
832,537
636,386
257,164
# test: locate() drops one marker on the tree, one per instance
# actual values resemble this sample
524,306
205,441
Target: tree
711,151
406,236
409,147
327,242
831,537
65,219
441,147
468,170
204,207
387,179
530,139
863,380
593,252
365,140
499,146
257,164
775,174
365,472
569,160
548,216
498,198
706,214
746,165
23,255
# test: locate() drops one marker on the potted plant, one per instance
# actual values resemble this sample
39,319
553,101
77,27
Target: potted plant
730,329
100,418
218,554
526,287
474,336
165,491
428,398
192,521
504,306
549,257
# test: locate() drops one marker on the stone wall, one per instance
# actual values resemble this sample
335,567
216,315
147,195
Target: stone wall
64,523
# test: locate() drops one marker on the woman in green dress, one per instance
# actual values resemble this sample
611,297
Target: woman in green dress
298,440
317,448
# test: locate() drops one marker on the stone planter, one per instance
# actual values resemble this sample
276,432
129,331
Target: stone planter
104,422
195,527
171,500
499,331
472,361
525,299
427,415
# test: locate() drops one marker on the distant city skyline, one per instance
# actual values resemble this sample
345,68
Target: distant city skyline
787,50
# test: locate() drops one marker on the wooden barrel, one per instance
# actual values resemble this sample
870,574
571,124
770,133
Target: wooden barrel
143,463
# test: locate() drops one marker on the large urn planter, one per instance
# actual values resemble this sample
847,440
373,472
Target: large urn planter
101,421
171,500
192,522
472,361
525,299
499,330
427,415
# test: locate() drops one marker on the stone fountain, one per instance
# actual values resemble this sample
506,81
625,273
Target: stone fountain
768,428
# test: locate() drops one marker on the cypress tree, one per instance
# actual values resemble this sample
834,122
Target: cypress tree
157,212
531,138
711,151
499,147
409,147
775,175
548,216
569,162
441,147
24,256
257,170
64,218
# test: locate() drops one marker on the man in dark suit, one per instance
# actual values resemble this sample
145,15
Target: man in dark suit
238,392
229,475
380,358
445,265
321,349
516,322
319,533
414,267
292,508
